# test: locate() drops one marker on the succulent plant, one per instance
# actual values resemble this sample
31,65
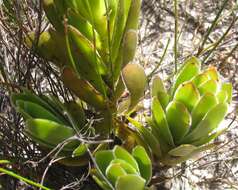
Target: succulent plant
92,43
186,117
97,39
50,123
118,169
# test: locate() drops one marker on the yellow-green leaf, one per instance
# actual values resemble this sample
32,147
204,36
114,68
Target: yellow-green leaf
129,182
187,94
161,126
144,162
207,102
179,119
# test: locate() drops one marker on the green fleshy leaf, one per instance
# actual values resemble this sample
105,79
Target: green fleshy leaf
161,126
129,182
135,79
182,150
164,147
225,93
208,138
207,102
49,133
144,162
179,119
129,169
101,183
121,153
113,172
80,150
129,46
103,159
210,86
190,68
208,124
187,94
148,136
200,79
122,13
88,63
76,114
159,90
212,73
37,111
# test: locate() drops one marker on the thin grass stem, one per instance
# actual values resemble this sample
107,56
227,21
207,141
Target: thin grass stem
214,23
176,34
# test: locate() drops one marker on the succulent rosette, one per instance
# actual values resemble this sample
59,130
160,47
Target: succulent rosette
118,169
186,117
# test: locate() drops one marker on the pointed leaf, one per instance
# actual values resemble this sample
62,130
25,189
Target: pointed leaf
133,16
208,138
148,136
53,14
212,73
179,120
123,8
164,147
84,27
182,150
159,90
210,86
82,89
157,86
161,122
37,111
187,94
102,184
88,63
200,79
190,68
50,133
31,97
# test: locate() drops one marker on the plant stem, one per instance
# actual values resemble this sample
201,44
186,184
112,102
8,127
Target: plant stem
220,40
10,173
212,26
160,62
176,34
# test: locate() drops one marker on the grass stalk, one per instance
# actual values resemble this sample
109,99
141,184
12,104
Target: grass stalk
214,23
12,174
160,62
176,35
220,40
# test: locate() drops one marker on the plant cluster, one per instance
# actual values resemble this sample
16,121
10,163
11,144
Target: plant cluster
93,43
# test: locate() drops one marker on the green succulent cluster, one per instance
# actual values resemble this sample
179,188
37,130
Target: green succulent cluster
187,116
120,170
92,43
